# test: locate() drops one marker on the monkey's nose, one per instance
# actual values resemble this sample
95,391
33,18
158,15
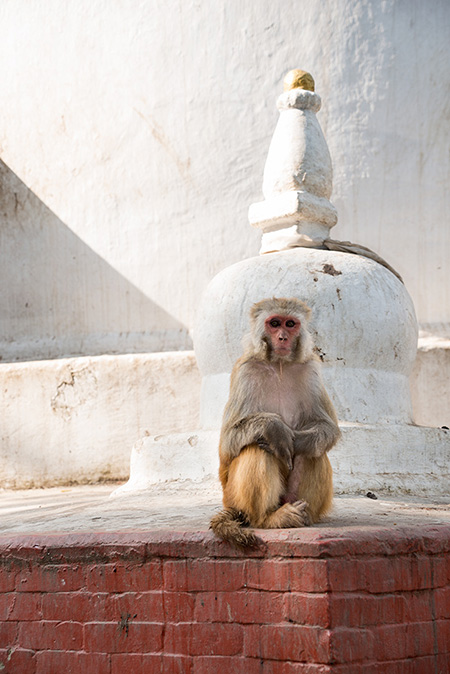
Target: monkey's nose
282,338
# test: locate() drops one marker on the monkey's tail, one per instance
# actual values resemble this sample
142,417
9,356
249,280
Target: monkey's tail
231,525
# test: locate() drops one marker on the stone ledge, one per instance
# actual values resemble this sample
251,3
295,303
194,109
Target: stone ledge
143,546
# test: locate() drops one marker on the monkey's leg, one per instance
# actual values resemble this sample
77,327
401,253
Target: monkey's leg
315,484
255,485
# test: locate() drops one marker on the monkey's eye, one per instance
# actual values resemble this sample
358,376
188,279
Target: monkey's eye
275,323
290,324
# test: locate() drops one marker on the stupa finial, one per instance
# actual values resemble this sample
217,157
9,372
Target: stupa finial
298,79
298,173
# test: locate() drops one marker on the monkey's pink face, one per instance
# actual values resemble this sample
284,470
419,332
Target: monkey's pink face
282,332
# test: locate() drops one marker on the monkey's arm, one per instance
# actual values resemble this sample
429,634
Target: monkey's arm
264,429
319,434
316,439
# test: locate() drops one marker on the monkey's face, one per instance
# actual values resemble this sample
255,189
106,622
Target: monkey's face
282,333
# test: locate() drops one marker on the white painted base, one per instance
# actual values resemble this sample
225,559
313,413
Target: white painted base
169,458
430,382
383,458
74,420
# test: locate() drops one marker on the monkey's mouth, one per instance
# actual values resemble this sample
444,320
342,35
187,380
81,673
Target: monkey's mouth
282,349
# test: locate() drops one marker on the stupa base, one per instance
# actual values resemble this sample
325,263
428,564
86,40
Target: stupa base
394,459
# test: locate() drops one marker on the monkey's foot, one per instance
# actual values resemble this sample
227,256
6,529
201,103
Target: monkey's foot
303,509
289,516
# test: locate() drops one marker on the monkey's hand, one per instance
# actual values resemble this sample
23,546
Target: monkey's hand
278,439
316,439
265,429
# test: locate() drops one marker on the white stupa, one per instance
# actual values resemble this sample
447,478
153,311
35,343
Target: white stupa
363,324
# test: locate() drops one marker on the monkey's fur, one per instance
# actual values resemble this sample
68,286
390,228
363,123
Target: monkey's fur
278,426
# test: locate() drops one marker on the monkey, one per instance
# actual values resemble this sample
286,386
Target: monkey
278,426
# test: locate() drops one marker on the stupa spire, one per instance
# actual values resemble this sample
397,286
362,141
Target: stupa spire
298,173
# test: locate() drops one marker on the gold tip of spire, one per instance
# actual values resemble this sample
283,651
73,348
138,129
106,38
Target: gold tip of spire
298,79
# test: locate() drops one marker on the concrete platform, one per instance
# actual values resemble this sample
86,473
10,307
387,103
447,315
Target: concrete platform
185,506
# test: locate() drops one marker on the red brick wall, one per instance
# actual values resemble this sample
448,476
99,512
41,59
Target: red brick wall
306,602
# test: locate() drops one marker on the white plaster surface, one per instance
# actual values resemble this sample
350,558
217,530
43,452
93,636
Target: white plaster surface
76,419
397,459
173,457
430,382
134,137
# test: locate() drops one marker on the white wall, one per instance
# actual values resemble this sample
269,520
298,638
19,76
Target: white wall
134,135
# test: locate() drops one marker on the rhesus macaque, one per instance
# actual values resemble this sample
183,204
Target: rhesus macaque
278,426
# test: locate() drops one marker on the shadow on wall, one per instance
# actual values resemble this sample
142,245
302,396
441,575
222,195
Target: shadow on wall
59,298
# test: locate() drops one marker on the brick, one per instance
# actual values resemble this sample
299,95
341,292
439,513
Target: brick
50,578
150,664
367,668
178,607
276,667
423,665
408,640
175,576
417,607
126,637
51,635
297,643
307,609
351,609
17,661
132,662
81,606
345,575
439,566
146,606
63,662
103,607
25,606
226,665
351,645
8,634
203,575
270,574
397,574
240,607
429,664
309,575
7,580
361,610
203,639
297,575
124,577
442,602
6,601
441,663
172,664
443,636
